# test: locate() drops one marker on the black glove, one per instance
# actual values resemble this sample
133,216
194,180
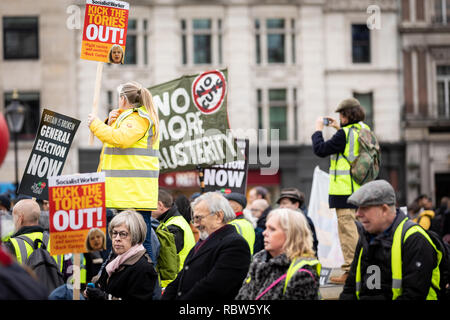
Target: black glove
95,294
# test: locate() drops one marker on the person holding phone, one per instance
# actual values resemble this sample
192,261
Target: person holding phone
343,147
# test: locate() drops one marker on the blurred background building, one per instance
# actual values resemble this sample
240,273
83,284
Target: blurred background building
289,62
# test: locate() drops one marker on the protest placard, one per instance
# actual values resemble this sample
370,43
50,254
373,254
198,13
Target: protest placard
105,31
76,205
51,146
194,128
231,176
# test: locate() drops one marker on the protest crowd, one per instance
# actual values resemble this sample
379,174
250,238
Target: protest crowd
225,246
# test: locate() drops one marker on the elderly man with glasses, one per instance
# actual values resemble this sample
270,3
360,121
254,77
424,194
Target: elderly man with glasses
215,268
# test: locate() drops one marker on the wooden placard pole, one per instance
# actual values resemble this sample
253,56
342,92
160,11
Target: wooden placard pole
98,85
76,276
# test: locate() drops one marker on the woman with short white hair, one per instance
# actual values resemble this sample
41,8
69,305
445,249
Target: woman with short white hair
287,268
129,274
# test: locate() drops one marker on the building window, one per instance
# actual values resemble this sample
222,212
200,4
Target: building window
20,38
441,12
275,41
260,108
278,112
360,43
443,90
136,50
131,46
201,41
31,101
366,101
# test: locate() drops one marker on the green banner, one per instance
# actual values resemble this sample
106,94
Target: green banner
193,122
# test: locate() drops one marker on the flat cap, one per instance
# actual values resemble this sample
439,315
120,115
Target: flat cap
292,193
348,103
373,193
238,197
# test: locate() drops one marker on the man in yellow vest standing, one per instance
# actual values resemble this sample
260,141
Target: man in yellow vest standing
243,226
26,214
167,213
395,259
343,147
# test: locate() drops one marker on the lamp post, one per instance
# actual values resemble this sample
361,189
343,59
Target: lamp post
15,115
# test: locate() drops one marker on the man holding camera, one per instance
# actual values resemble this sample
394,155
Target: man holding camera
343,148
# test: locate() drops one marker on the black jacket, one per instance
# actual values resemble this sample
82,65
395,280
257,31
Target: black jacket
134,280
418,262
214,269
177,232
327,148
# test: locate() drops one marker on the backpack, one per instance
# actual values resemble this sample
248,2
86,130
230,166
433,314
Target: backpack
366,166
41,262
168,261
444,267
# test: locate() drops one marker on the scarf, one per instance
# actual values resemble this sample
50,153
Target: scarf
122,258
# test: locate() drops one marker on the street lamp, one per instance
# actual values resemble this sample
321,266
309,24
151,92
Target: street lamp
15,115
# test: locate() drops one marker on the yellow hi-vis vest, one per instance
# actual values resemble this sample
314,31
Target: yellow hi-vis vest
188,242
23,249
246,230
396,262
132,173
295,266
188,237
341,183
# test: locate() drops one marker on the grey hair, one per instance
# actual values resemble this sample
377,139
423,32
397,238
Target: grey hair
135,224
216,202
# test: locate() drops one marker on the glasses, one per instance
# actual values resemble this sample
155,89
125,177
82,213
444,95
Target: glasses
255,210
197,219
122,234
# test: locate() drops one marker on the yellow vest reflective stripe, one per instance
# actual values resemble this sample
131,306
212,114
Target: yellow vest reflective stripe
341,182
82,269
396,262
188,237
132,173
246,230
358,275
297,265
23,250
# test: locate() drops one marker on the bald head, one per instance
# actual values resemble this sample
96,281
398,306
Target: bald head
26,213
258,206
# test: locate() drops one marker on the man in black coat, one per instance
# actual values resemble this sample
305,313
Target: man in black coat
378,222
216,267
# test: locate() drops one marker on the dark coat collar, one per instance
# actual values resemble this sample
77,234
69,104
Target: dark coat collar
28,229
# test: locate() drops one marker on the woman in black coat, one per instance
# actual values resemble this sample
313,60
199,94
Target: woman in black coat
129,274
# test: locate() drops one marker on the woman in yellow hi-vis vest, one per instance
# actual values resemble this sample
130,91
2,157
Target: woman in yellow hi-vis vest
342,148
129,157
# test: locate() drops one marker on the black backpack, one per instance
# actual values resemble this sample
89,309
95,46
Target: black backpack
41,262
444,266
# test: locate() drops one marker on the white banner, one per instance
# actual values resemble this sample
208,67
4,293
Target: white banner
325,221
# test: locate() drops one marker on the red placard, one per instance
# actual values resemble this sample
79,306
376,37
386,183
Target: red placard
76,205
105,31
